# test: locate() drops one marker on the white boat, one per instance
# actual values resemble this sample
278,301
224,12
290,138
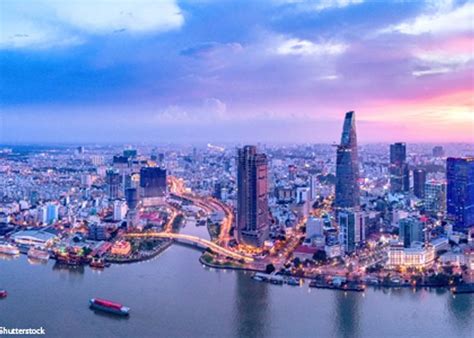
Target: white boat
39,254
8,249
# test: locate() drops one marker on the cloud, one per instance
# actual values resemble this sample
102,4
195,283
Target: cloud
443,20
433,63
320,5
105,16
208,49
306,47
207,110
45,24
29,34
329,77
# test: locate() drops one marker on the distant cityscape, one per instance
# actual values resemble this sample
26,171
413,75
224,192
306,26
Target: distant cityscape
337,216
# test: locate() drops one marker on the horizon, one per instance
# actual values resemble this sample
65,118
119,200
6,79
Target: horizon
284,69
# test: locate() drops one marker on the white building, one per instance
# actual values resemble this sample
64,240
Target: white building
417,256
120,210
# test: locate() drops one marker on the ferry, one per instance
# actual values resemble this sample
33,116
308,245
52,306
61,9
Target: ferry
39,254
9,249
108,306
3,293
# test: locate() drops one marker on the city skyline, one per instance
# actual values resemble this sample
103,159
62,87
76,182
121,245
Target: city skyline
287,68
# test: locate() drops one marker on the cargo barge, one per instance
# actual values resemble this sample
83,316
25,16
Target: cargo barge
108,306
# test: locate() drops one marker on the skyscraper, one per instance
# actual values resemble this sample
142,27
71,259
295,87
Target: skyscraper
352,229
347,166
153,181
399,173
435,197
460,191
131,196
411,230
419,181
113,181
252,197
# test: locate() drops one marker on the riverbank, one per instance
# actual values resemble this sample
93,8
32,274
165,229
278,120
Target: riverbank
203,261
145,257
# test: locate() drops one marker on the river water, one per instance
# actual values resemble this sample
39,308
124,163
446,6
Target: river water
175,296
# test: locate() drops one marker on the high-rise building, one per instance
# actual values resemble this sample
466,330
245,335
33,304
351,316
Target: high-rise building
419,181
347,166
435,197
252,197
460,191
52,212
313,184
411,230
217,190
131,196
120,210
113,181
153,181
130,153
352,229
399,173
438,151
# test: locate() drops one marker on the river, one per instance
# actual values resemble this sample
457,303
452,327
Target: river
173,295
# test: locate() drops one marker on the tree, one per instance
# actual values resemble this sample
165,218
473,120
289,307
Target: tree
448,269
87,251
269,268
320,256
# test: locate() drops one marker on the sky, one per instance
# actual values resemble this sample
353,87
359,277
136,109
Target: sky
235,71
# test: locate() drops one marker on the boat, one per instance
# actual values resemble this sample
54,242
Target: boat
9,249
97,263
463,288
343,287
3,293
258,278
293,281
108,306
39,254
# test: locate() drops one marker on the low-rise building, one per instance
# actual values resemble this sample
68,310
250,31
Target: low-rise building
416,256
38,238
121,248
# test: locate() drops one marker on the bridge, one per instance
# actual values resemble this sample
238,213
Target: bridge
188,239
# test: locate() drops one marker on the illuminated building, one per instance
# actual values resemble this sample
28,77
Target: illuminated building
460,191
347,166
417,256
352,229
121,248
253,221
399,173
435,197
